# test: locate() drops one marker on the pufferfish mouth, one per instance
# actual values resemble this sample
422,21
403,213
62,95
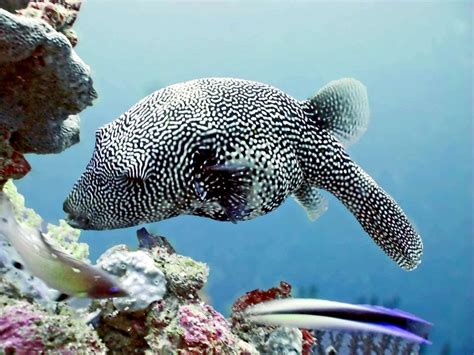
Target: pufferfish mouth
77,221
74,219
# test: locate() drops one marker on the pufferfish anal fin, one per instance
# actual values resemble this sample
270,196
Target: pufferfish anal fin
311,200
229,184
342,107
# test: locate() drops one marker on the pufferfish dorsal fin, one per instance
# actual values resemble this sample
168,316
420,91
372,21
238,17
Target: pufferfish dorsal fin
311,199
342,106
227,183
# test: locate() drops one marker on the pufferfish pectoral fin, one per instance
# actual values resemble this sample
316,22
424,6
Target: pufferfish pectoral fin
229,184
311,199
342,107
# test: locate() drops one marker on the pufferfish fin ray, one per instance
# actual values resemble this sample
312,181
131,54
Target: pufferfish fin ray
342,106
229,184
311,199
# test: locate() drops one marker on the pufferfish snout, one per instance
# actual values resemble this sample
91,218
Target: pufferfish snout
232,150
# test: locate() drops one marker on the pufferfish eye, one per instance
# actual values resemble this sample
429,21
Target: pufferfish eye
101,180
126,179
135,180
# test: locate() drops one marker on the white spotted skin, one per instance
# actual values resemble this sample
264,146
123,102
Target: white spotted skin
144,165
244,121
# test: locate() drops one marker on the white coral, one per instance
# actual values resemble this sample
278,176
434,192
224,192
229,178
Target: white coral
138,275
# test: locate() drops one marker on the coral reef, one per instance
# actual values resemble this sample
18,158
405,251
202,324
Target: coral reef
137,273
197,329
164,312
60,14
26,328
43,84
175,321
285,340
185,276
269,339
14,280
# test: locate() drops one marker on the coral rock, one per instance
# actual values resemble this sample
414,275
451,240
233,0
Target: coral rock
43,85
60,14
278,337
28,329
203,327
195,329
285,340
137,273
185,276
13,5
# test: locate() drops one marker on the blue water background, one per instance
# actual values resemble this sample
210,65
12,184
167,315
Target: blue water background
416,61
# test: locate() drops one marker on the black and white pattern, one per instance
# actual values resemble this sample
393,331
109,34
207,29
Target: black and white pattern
231,149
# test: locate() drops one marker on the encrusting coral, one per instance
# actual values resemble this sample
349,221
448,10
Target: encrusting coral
163,313
43,83
138,274
269,339
26,328
176,321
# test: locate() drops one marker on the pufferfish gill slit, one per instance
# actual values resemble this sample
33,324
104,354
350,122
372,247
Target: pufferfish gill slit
232,150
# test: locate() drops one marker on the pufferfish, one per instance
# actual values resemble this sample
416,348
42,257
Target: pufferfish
232,150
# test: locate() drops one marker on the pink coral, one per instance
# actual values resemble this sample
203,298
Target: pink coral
26,328
204,328
15,331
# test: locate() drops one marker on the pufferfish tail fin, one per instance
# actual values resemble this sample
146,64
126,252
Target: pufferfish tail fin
342,107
